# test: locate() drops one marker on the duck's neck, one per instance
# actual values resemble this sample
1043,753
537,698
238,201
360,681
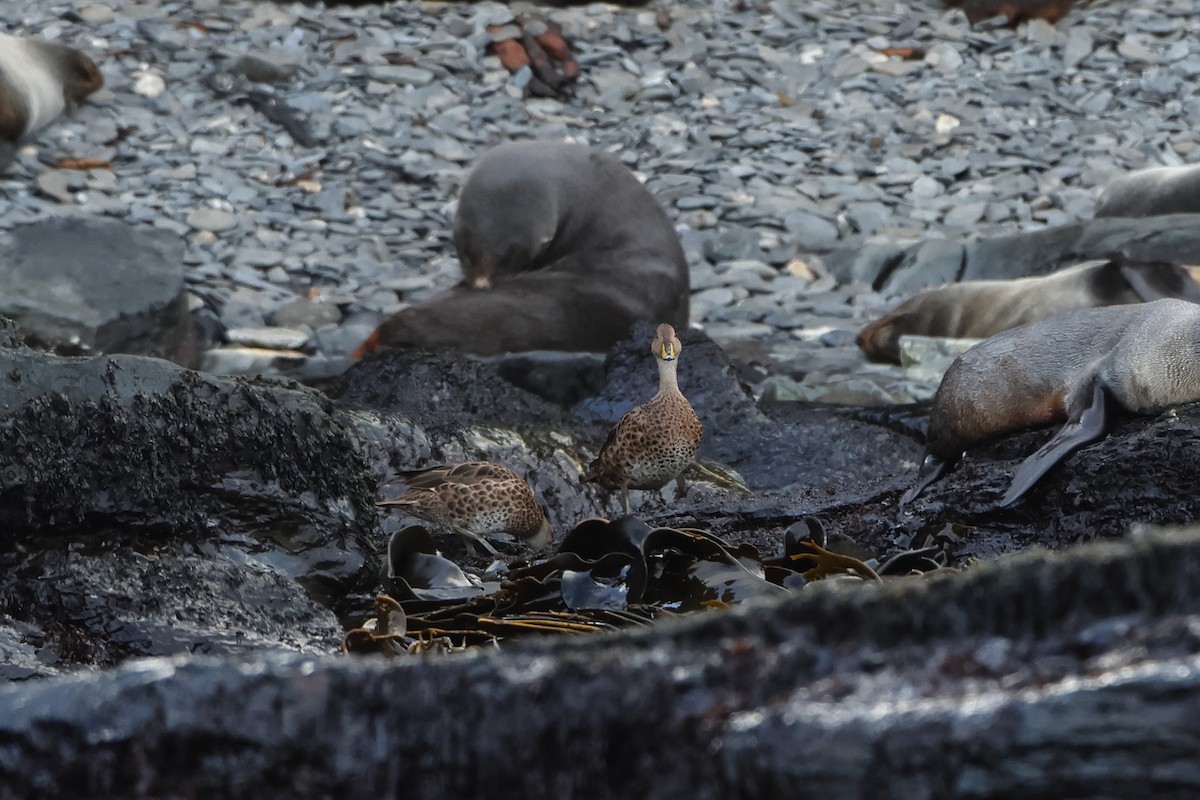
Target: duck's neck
668,380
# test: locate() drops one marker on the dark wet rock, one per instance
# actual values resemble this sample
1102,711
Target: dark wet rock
447,392
1138,474
797,445
102,599
97,439
929,263
149,509
10,333
1174,238
49,285
267,66
562,378
1013,663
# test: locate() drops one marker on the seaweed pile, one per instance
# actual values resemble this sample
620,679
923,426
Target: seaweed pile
606,575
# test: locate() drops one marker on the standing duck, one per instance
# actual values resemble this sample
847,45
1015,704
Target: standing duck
654,442
474,498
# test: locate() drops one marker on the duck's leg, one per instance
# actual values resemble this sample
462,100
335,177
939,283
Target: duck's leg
1084,426
474,537
681,488
625,499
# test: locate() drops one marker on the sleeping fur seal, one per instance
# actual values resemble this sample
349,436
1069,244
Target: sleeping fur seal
979,309
1152,192
562,248
1142,358
39,81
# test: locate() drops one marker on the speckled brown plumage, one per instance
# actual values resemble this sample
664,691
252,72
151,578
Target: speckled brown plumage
475,498
655,442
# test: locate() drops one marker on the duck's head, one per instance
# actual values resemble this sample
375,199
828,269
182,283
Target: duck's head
666,344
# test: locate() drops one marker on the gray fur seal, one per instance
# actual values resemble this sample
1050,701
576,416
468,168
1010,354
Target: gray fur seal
979,309
562,248
1142,358
1152,192
38,82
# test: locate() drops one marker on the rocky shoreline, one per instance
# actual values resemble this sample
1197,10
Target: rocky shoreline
184,549
794,156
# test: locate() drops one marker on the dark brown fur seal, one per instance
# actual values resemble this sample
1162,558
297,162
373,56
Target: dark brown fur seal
39,81
562,249
1143,358
979,309
1152,192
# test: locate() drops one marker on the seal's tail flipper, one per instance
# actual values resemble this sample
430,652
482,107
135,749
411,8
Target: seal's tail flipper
1088,426
932,468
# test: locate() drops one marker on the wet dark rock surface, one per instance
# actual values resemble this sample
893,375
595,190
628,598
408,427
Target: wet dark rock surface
152,511
1007,679
149,509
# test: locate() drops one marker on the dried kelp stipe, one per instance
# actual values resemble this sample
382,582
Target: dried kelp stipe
606,575
929,551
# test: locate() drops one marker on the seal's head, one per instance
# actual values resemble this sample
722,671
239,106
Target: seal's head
79,74
507,217
38,81
880,340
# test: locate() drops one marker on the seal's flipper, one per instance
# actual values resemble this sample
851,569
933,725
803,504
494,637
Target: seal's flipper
932,468
1155,280
1088,426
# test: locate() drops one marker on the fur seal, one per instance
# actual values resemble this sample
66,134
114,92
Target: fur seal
1152,192
39,81
979,309
1142,358
562,248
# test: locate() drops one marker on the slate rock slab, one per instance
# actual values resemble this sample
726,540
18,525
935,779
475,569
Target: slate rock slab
89,439
1173,238
148,509
82,285
115,596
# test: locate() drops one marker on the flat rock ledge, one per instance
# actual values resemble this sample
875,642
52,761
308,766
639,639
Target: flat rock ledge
1035,675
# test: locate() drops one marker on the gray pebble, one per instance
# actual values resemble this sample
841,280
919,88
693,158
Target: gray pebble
212,219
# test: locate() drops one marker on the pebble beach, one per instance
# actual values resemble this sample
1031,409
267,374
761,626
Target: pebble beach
309,156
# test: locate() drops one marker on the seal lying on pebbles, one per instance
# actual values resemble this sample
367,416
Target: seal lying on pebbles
562,249
38,82
979,309
1152,192
1143,357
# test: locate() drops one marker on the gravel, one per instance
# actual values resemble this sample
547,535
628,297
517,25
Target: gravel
309,157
